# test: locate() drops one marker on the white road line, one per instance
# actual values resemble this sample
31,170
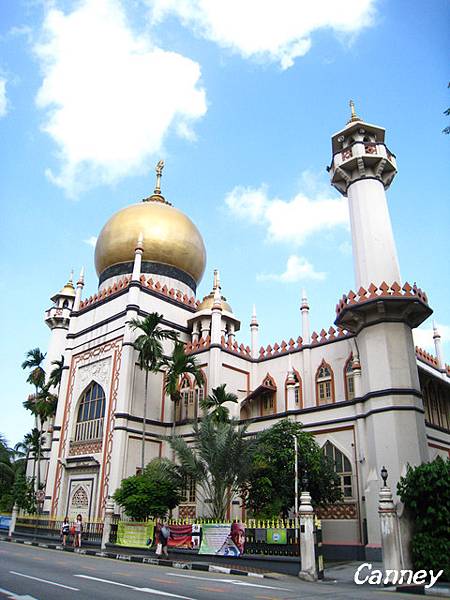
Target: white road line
13,596
67,587
137,589
230,581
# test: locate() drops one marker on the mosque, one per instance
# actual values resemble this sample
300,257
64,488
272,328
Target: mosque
370,398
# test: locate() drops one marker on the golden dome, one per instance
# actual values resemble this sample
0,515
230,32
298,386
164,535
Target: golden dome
170,238
208,301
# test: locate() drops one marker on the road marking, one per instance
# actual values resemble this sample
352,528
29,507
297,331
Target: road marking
137,589
67,587
14,596
214,590
230,581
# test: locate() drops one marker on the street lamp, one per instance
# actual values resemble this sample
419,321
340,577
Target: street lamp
384,475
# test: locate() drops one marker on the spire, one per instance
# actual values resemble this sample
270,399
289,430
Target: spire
438,347
353,117
140,242
80,281
138,252
304,308
79,290
254,320
217,298
157,196
304,303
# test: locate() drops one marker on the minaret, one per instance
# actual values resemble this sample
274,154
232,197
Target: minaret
254,331
438,347
362,169
79,290
304,307
390,404
57,318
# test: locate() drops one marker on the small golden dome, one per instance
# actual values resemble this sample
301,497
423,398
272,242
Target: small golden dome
170,238
68,289
208,301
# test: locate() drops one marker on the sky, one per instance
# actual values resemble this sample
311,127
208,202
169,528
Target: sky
240,98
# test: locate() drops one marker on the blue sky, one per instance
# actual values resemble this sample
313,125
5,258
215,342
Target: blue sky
240,99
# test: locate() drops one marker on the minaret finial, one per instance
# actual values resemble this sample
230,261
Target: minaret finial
216,281
71,277
159,169
353,117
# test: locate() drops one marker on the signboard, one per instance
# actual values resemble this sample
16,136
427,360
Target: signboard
223,539
134,535
184,536
276,536
5,522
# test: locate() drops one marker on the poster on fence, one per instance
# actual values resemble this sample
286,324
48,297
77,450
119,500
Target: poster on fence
184,536
5,521
223,540
276,536
135,535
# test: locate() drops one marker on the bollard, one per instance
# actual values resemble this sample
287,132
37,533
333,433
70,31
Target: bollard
390,536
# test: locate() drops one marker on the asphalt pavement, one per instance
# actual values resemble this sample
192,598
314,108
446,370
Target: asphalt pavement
29,573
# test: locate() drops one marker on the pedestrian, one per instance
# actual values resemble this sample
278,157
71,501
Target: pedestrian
78,532
65,531
164,534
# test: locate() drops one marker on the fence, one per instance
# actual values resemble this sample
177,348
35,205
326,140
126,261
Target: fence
269,537
51,527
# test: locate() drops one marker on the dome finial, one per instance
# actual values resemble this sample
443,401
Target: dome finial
353,117
216,281
159,169
157,196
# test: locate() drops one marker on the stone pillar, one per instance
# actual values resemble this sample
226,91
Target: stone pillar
357,385
12,525
195,332
79,290
138,252
290,386
307,551
390,533
109,511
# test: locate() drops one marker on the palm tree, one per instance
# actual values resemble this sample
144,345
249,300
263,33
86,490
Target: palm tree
215,403
177,365
218,460
6,470
33,360
149,346
56,373
29,446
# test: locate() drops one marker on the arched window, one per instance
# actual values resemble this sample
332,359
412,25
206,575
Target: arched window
66,304
349,379
324,384
181,405
199,394
297,390
342,467
268,396
91,413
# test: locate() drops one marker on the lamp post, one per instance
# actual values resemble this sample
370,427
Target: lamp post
297,533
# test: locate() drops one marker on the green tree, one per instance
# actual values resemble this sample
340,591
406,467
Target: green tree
215,403
152,493
217,460
23,493
6,473
269,490
178,365
425,491
150,349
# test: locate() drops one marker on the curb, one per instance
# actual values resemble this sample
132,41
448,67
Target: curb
147,560
420,590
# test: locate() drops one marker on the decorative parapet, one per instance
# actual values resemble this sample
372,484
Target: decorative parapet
338,511
85,447
170,293
118,286
316,339
383,291
202,344
235,347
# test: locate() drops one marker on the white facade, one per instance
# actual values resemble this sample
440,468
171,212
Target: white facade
354,385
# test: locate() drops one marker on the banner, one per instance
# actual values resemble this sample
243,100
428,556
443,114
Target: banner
5,522
223,540
276,536
184,536
134,535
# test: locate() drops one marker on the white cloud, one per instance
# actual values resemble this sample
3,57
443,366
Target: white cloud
110,94
345,248
423,336
298,268
91,241
3,100
290,221
273,30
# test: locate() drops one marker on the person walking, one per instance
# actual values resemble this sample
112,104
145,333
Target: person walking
164,535
78,532
65,531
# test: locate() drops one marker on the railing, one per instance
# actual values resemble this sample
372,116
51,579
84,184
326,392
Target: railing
49,526
89,430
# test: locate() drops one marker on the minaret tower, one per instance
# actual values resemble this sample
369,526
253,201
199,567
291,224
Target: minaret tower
362,169
381,314
57,318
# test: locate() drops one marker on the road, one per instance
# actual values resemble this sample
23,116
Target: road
28,573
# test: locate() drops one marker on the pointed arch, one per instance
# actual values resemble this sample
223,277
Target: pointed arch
298,390
342,467
349,378
200,392
186,392
90,413
268,401
324,384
